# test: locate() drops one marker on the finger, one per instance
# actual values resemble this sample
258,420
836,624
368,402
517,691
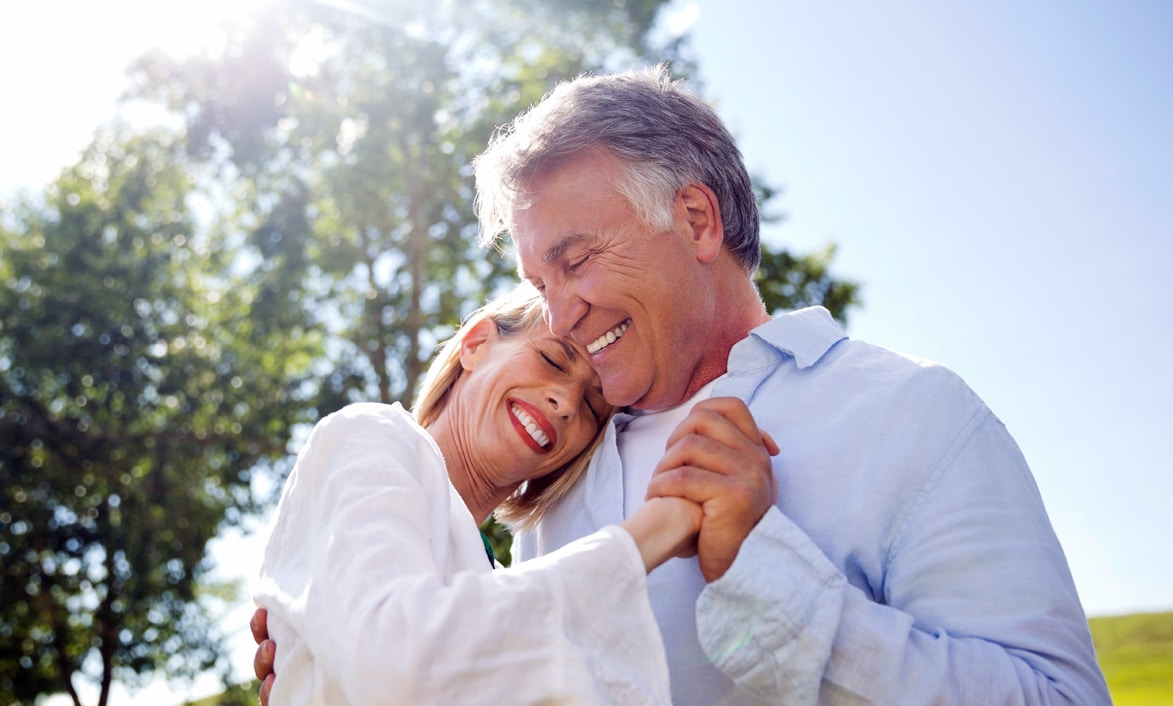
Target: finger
732,409
721,422
266,687
263,659
769,443
689,482
697,450
259,624
731,454
737,413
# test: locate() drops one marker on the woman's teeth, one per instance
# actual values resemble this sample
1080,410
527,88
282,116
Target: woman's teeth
531,426
608,338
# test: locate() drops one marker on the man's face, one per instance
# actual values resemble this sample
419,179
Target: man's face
630,295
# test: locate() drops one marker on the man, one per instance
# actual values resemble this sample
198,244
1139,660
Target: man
908,557
896,550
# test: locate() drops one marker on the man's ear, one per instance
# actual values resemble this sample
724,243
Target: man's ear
704,220
472,345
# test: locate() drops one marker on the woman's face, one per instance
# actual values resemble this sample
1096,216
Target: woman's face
529,402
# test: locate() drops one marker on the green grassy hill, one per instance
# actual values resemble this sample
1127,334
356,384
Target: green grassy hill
1135,651
241,695
1136,654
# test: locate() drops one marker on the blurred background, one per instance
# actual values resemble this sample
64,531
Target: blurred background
221,220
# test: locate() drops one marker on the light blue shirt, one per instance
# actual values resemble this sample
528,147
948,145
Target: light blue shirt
909,558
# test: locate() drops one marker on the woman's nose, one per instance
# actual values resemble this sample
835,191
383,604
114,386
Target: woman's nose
564,398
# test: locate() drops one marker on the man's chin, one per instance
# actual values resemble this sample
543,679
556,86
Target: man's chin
642,400
619,394
650,398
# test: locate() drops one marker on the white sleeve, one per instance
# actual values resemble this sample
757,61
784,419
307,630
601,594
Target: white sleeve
356,579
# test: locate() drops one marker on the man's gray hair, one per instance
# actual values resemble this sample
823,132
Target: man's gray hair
663,136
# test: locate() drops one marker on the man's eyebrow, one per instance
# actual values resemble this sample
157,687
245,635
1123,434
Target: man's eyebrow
558,249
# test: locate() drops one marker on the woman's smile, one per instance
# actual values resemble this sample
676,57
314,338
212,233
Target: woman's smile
532,426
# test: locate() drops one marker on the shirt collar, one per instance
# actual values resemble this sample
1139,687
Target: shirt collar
805,335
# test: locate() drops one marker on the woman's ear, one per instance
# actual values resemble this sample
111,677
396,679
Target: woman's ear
704,220
472,345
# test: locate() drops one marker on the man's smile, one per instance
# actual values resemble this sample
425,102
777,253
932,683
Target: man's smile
608,338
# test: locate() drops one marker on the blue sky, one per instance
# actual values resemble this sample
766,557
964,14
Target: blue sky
998,178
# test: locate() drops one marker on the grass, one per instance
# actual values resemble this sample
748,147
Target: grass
1135,652
241,695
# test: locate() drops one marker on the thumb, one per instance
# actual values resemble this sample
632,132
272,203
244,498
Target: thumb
768,441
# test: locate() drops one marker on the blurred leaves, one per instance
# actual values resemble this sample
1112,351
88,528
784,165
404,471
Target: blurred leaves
358,120
787,281
141,386
182,302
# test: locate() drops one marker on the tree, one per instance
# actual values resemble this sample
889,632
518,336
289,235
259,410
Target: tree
363,121
151,363
360,124
140,388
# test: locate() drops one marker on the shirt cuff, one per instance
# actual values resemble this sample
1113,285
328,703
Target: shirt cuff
770,607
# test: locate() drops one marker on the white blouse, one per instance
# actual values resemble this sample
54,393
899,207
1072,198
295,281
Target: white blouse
379,590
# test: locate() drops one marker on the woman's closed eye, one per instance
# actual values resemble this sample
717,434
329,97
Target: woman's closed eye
594,413
553,362
597,404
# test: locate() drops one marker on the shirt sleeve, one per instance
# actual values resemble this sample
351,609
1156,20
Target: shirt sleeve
978,605
352,573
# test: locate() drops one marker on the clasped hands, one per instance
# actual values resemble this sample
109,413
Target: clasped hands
717,457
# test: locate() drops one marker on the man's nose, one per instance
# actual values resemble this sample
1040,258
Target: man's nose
564,310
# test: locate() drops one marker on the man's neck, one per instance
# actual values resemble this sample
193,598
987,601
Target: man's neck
742,312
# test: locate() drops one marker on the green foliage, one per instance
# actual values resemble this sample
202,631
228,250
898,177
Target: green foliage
500,539
152,363
233,695
1136,654
358,125
140,389
788,281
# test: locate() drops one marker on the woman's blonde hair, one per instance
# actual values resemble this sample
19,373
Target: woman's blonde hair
516,312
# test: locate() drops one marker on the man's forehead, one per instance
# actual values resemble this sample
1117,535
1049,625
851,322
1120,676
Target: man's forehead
521,252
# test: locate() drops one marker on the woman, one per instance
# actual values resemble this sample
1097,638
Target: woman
375,578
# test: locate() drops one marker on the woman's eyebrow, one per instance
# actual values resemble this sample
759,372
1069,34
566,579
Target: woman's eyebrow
571,351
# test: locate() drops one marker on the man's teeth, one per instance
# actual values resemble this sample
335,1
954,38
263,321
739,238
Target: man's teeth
531,426
608,338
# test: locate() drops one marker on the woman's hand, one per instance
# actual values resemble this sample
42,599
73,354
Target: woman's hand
663,528
266,653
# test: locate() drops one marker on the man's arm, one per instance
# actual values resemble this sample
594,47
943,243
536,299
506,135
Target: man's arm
974,604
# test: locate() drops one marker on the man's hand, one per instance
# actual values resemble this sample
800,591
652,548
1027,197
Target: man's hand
719,458
266,653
